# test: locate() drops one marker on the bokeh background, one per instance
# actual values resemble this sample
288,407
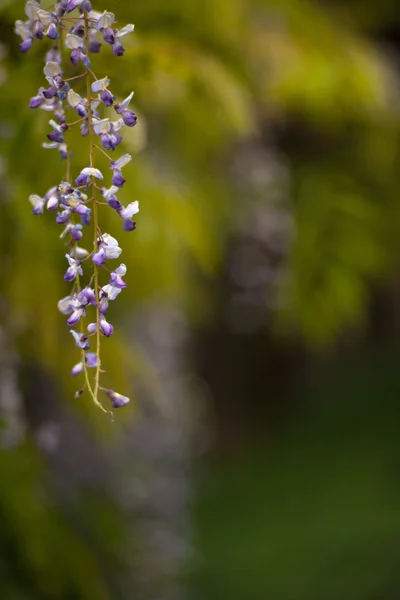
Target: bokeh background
258,337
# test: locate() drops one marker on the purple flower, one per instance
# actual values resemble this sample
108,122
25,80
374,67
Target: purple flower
100,86
63,216
94,46
91,359
117,178
106,327
73,270
127,213
52,32
110,197
118,48
128,116
116,165
78,368
87,296
36,101
84,212
78,311
116,279
26,45
37,203
118,400
24,31
75,231
110,246
99,258
108,35
50,92
128,225
78,103
50,200
84,177
64,305
81,340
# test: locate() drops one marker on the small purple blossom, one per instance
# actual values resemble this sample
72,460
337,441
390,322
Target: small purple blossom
128,116
81,340
106,328
116,165
73,270
85,175
118,400
91,360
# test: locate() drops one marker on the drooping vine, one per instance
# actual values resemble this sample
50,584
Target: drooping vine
77,31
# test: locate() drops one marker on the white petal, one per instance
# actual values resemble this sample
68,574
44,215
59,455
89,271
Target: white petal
106,20
117,125
72,261
73,98
122,161
92,172
81,253
31,9
125,30
73,41
100,84
110,192
64,305
35,200
55,126
101,126
22,29
121,270
125,102
52,69
130,210
112,252
45,17
111,291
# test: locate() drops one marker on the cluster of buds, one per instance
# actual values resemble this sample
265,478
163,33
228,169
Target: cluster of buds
77,30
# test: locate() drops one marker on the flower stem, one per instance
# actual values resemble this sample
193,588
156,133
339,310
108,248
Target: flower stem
95,218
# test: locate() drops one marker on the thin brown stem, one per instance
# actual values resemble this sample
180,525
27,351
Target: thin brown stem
103,151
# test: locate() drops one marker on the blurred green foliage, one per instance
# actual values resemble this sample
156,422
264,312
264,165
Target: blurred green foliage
312,512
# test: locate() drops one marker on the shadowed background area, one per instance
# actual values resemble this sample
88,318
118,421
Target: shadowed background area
258,337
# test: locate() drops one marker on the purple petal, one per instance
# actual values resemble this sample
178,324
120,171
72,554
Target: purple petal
70,275
129,117
117,281
107,98
99,258
118,400
106,327
118,48
94,46
52,32
91,359
36,101
117,179
128,225
108,35
78,368
75,317
26,45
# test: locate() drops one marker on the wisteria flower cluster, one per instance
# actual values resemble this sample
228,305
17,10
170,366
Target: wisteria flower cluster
76,31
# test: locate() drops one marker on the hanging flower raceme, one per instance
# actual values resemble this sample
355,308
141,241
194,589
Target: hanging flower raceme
82,31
